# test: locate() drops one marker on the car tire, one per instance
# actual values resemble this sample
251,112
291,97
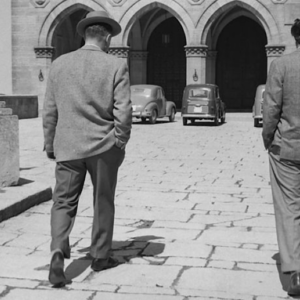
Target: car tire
153,117
184,121
143,120
256,123
216,121
172,115
223,118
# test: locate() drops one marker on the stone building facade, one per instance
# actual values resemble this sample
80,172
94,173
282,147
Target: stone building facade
167,42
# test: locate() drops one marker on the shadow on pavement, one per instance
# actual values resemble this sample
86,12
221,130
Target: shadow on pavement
204,124
284,278
124,251
23,181
139,122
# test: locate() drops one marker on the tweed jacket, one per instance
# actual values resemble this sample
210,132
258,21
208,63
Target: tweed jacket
281,107
87,108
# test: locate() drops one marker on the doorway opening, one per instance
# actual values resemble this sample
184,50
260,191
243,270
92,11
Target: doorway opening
241,62
166,65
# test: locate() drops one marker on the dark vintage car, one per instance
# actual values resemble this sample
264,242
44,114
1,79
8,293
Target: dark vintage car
149,102
202,102
257,110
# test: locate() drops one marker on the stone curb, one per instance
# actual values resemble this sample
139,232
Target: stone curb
17,199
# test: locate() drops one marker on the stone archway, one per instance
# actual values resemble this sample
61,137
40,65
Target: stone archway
141,7
65,38
58,14
154,60
213,25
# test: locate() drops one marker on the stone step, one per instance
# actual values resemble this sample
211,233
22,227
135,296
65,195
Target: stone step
5,111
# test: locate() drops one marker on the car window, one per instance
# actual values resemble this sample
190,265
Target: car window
159,93
199,93
263,94
140,91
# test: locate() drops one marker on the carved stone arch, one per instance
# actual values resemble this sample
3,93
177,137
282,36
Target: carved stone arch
219,8
59,13
223,22
139,8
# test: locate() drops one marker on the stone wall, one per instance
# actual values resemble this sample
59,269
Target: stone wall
24,106
9,147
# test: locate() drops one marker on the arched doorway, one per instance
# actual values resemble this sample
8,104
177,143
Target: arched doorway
241,62
65,38
166,65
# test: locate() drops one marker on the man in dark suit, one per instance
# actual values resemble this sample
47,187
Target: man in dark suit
281,136
87,122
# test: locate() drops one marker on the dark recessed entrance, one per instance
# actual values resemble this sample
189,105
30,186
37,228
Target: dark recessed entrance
166,59
241,62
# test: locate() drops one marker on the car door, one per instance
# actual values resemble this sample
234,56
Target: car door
164,103
159,101
218,101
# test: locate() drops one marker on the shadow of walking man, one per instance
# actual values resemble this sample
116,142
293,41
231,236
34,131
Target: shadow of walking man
124,251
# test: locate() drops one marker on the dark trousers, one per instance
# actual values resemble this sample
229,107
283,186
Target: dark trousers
285,183
70,177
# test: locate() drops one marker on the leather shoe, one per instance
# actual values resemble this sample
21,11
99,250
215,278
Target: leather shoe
294,288
99,264
56,273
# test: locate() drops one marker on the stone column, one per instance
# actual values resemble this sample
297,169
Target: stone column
211,67
121,52
138,67
44,55
6,47
274,51
196,64
9,147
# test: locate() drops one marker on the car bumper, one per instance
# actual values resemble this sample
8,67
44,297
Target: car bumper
199,116
141,114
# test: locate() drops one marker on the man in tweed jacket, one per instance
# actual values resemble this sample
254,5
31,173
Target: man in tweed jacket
281,136
87,122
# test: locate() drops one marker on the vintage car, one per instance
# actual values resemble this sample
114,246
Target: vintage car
149,102
257,110
202,102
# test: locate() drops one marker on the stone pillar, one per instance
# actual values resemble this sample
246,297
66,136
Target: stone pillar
9,147
274,51
211,67
5,47
196,64
121,52
138,67
44,55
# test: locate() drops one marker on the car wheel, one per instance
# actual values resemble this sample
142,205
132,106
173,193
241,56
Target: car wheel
223,118
216,121
184,121
256,123
143,120
153,117
172,116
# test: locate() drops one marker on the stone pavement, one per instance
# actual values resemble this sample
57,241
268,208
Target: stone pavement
194,220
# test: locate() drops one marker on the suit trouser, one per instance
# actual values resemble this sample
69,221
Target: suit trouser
285,183
70,177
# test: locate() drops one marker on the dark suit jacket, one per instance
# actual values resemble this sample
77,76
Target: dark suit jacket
87,107
281,107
